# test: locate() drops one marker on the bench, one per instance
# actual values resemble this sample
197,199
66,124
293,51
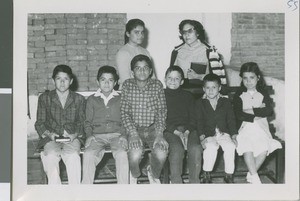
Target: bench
276,175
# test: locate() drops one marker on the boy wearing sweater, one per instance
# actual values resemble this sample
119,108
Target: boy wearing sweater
103,127
180,130
216,124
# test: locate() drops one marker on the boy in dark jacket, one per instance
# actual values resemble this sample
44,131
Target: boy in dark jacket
215,124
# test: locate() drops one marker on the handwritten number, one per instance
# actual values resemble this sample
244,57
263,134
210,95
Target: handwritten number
293,3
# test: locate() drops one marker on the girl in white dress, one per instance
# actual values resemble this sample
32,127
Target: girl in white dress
252,105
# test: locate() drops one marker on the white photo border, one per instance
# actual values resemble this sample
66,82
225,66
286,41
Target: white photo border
288,191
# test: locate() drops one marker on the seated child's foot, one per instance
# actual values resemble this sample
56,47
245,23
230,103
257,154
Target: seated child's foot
206,178
151,178
249,177
255,179
228,178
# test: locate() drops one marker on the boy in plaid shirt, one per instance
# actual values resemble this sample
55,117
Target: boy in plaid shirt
143,113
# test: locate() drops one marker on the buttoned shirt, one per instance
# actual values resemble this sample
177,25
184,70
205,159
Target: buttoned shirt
143,107
53,117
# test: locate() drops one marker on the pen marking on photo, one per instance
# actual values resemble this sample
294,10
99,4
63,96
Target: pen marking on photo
293,4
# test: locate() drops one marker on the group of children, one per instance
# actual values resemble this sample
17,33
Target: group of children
169,121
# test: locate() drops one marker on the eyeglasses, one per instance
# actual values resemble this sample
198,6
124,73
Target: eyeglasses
189,31
138,68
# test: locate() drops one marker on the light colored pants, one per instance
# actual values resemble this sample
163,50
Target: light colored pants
93,154
211,150
69,153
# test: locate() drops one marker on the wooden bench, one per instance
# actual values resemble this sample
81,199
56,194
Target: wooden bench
276,175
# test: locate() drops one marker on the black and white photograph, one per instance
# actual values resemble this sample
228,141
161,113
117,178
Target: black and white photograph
148,101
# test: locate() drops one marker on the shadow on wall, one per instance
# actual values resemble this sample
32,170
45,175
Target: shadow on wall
278,99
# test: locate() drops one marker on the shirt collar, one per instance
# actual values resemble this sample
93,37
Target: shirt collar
218,96
112,94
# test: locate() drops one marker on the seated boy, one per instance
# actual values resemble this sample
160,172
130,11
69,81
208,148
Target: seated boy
181,131
143,112
103,128
59,123
215,124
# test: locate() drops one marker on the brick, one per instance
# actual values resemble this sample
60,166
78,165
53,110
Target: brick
75,47
54,15
77,57
60,31
81,26
35,28
32,49
56,59
61,53
77,36
50,54
36,38
72,30
39,55
31,66
96,15
60,42
50,21
56,37
117,15
34,60
74,15
115,26
55,26
81,42
49,31
54,48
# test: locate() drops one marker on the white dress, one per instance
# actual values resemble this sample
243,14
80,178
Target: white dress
255,136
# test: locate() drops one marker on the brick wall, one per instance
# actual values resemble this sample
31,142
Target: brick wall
259,37
83,41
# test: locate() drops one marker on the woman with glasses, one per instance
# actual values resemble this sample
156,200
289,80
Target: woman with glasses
195,56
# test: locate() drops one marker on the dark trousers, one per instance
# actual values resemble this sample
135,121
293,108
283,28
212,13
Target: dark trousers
176,156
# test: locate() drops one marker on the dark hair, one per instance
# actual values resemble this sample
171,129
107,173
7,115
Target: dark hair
212,78
108,69
175,68
64,69
197,26
253,67
140,57
131,24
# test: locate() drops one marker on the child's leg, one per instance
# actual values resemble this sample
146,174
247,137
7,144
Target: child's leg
210,153
176,155
194,159
250,162
229,152
71,158
92,155
121,158
158,157
260,159
50,158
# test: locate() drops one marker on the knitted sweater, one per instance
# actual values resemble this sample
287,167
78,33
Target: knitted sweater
181,111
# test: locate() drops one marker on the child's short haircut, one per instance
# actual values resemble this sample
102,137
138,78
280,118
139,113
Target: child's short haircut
108,69
62,68
140,57
175,68
212,78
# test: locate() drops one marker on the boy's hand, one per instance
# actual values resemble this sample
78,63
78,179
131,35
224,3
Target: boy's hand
135,142
89,140
124,143
203,141
52,136
161,143
234,139
178,133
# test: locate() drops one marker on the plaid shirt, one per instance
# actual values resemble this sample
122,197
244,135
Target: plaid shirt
53,117
143,108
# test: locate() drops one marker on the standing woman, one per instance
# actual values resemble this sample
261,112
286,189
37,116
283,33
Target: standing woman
134,37
194,53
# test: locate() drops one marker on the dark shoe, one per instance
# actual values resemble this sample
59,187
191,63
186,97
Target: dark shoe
228,179
206,178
